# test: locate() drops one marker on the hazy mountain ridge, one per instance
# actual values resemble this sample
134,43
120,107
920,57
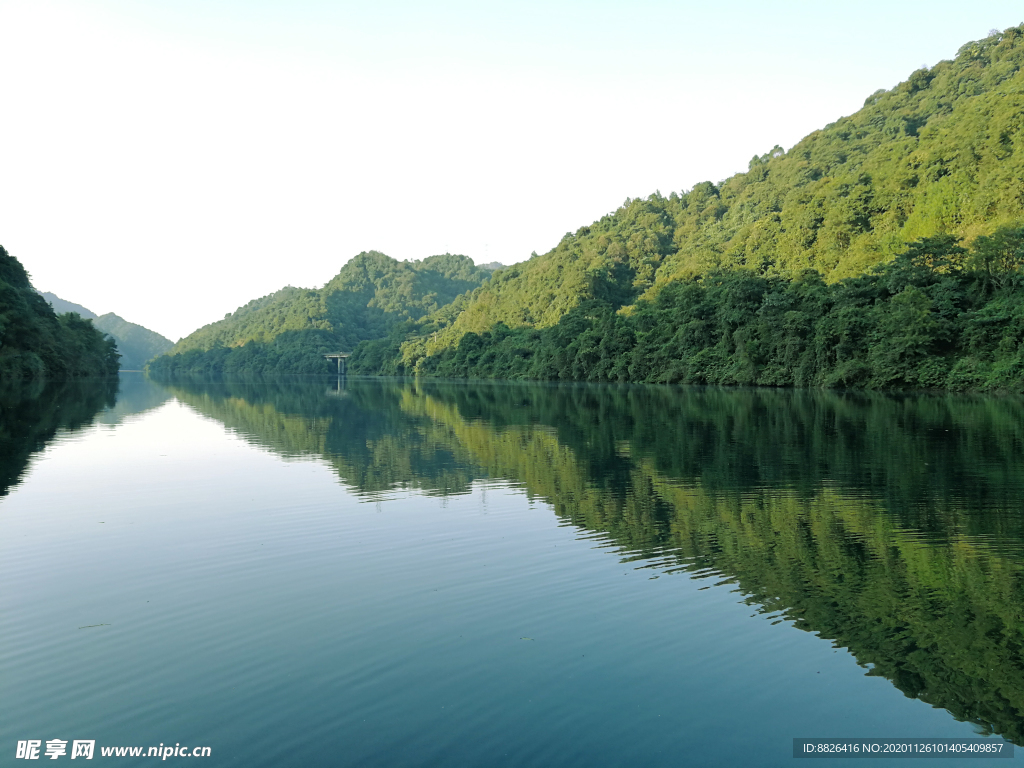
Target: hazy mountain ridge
136,344
61,306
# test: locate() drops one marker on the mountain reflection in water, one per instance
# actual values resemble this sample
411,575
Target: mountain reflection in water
889,525
32,413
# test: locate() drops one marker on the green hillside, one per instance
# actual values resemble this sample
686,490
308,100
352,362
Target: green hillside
786,274
942,152
290,330
883,251
137,345
37,343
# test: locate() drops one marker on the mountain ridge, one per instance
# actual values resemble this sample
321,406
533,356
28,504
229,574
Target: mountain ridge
801,271
845,198
136,344
288,331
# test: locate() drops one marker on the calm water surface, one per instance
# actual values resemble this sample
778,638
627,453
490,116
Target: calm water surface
311,572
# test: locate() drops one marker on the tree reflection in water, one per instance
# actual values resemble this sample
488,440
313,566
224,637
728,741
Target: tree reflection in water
890,525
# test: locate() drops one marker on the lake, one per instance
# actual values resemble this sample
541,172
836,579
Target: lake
372,572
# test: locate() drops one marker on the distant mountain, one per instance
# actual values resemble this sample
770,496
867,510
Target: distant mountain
290,330
137,345
60,306
492,266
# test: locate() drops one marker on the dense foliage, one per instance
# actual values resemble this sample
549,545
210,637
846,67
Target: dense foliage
938,316
888,524
37,343
289,331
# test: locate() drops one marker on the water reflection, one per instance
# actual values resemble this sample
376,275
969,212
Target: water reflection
890,525
31,414
136,395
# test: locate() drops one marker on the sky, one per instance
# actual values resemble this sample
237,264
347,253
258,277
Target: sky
171,161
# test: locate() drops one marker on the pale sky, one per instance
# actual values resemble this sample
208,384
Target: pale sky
169,161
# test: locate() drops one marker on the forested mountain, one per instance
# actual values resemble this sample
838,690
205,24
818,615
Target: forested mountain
290,330
37,343
136,344
884,250
938,316
787,274
942,152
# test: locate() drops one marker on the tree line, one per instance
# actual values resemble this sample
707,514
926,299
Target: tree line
35,342
938,316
